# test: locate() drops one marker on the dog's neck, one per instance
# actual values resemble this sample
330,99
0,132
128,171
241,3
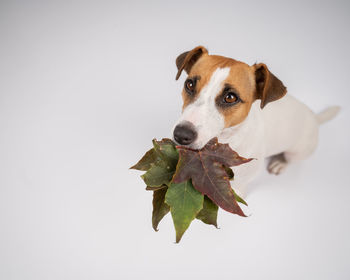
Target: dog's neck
244,138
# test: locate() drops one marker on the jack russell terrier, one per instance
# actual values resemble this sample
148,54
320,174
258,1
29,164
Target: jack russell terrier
220,100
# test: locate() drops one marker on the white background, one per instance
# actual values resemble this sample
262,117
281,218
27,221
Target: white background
84,88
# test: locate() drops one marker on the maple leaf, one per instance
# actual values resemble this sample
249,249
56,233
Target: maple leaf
164,150
207,170
146,161
185,203
158,175
148,188
190,183
159,162
209,213
160,208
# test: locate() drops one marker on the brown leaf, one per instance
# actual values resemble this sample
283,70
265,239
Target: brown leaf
149,188
205,168
146,161
163,151
160,208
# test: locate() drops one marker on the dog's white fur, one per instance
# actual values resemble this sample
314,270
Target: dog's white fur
283,126
203,114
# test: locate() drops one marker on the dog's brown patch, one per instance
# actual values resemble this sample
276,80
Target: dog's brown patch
250,82
204,68
241,78
268,87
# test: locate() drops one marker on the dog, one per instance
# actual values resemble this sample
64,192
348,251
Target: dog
246,107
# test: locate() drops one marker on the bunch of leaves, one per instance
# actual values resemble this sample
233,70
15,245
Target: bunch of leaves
190,183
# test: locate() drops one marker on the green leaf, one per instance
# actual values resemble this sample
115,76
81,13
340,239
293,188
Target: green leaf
162,151
185,202
229,173
166,151
165,157
146,161
158,175
190,183
160,209
239,199
209,213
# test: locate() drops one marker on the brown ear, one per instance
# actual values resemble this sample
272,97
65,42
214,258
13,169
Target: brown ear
268,87
186,60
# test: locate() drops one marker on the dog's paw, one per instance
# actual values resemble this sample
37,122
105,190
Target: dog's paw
277,164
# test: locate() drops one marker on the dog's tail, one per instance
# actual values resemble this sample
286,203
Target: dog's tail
327,114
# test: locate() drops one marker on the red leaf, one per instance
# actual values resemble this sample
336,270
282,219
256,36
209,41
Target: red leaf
206,169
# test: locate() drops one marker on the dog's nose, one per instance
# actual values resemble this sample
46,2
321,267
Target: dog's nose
185,133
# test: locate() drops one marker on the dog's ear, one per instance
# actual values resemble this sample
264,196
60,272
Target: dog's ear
186,60
268,87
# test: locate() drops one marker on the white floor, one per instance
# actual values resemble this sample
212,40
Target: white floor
84,87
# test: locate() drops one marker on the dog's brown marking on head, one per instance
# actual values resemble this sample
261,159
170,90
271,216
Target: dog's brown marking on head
240,78
186,60
204,69
268,87
249,82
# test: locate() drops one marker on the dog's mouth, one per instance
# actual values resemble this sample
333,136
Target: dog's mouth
195,145
188,135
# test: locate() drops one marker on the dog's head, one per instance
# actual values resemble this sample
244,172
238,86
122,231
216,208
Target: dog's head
218,93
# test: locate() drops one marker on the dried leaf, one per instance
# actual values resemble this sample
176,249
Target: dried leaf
163,151
229,172
160,209
166,152
190,183
206,169
159,162
146,161
148,188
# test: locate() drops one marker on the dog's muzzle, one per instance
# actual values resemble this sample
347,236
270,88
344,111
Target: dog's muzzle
185,133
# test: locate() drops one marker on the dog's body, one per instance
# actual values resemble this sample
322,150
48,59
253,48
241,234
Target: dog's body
225,98
261,135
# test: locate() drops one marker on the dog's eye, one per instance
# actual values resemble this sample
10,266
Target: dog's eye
190,85
231,98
